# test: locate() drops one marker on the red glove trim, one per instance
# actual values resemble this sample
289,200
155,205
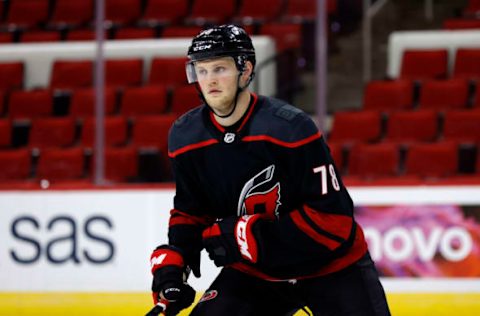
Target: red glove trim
245,238
163,257
212,231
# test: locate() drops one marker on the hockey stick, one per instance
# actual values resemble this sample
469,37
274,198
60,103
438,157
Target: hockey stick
157,309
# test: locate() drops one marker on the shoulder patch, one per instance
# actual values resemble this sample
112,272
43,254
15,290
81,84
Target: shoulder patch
287,112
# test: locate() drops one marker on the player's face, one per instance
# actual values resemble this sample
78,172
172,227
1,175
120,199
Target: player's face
218,81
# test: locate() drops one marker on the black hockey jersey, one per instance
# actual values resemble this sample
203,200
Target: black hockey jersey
274,161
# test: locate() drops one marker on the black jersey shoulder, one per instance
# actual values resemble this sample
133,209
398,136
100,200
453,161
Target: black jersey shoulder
188,130
281,121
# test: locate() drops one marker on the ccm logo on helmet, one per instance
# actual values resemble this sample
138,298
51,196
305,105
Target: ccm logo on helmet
202,47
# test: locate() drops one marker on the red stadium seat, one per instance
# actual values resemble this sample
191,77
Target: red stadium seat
306,10
5,133
5,37
30,104
461,24
350,127
61,164
52,132
181,31
287,36
71,13
27,13
259,11
16,164
121,164
131,33
388,95
412,126
211,11
83,35
169,71
82,103
115,129
476,100
70,74
374,160
11,75
336,151
432,160
467,63
473,8
152,131
444,94
3,96
462,126
165,12
147,100
424,64
124,72
184,99
122,12
40,36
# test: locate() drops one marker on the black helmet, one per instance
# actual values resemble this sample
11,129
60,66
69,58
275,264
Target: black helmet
221,41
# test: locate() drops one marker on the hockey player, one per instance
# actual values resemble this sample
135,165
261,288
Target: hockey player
257,188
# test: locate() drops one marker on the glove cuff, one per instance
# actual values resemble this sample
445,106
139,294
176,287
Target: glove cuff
164,256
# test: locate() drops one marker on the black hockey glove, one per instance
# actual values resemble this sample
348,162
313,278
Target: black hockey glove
169,279
232,240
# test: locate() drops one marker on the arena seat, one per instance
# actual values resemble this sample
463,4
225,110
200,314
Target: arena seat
11,75
40,36
287,36
122,12
412,126
462,126
305,10
472,8
52,132
82,102
121,164
165,12
5,133
435,160
6,37
467,63
168,71
24,104
424,64
351,127
461,24
146,100
70,74
388,95
184,99
129,33
151,131
71,13
115,129
211,12
61,164
27,13
121,73
443,94
374,160
180,31
16,164
253,11
337,153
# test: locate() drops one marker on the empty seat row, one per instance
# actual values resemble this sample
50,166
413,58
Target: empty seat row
118,72
394,95
438,160
72,13
421,64
406,126
130,102
122,164
144,131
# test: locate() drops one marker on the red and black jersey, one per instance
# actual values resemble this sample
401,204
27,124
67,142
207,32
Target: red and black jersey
275,162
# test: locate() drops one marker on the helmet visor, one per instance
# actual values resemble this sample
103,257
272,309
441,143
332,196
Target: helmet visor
198,71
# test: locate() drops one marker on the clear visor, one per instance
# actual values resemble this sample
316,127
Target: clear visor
198,71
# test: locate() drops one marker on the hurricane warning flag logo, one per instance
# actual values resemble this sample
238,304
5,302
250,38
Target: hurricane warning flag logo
260,195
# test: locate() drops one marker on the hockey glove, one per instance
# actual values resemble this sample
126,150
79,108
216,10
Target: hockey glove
169,279
232,240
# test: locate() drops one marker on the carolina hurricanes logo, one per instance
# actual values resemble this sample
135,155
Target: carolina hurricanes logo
252,200
209,295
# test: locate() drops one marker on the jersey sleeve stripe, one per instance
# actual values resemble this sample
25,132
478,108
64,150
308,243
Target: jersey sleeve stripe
178,218
327,223
281,142
312,233
173,154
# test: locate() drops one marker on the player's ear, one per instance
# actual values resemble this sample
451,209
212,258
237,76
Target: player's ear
247,71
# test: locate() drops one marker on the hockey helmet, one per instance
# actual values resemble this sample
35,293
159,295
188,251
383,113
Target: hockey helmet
220,41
